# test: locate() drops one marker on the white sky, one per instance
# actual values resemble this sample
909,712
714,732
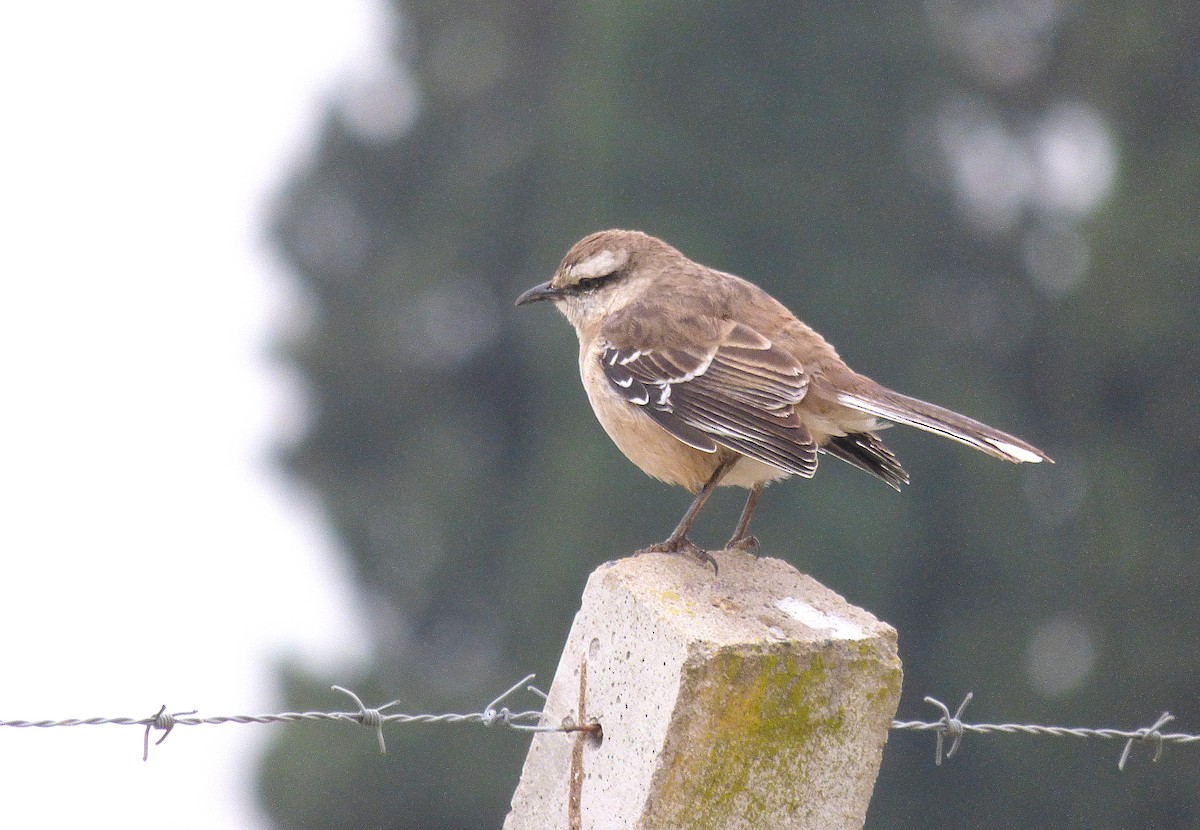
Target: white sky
148,553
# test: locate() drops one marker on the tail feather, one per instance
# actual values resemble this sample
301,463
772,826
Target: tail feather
865,451
892,406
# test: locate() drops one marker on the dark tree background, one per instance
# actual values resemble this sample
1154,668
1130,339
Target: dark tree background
991,205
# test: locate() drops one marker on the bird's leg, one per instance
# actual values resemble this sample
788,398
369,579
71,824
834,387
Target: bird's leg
739,540
678,542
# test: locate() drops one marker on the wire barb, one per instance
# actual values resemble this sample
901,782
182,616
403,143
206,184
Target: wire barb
1150,734
370,718
951,725
504,716
163,721
491,715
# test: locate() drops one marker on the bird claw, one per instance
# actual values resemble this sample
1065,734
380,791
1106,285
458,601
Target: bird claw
682,545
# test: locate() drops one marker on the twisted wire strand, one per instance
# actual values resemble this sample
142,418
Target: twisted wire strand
953,727
511,719
373,718
1055,731
949,726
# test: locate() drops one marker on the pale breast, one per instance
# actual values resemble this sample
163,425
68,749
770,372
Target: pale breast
654,450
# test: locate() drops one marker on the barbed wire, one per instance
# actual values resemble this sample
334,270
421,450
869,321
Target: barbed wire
951,726
374,718
948,726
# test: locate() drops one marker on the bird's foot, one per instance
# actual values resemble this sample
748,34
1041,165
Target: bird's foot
682,545
746,544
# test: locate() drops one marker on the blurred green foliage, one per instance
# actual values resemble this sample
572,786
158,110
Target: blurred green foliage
913,182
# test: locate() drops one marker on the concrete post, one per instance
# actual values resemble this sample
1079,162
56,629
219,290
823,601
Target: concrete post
756,698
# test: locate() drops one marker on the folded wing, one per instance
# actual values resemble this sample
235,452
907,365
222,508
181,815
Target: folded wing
740,391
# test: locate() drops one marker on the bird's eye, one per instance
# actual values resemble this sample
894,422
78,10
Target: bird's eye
589,283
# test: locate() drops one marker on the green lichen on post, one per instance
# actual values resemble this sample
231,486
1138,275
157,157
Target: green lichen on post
888,691
870,659
753,718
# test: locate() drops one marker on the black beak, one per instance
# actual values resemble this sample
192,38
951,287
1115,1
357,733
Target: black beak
538,292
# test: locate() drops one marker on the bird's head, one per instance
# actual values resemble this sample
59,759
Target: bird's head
598,275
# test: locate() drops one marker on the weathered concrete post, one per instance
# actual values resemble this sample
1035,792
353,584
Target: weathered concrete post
753,699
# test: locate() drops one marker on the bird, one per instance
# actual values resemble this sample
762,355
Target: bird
701,378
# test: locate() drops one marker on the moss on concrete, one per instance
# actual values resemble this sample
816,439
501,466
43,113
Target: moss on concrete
767,715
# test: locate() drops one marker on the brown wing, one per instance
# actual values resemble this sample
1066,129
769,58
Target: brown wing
740,392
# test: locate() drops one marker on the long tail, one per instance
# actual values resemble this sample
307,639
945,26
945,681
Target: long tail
892,406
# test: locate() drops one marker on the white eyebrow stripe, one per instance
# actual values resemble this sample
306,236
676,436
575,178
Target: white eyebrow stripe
599,265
